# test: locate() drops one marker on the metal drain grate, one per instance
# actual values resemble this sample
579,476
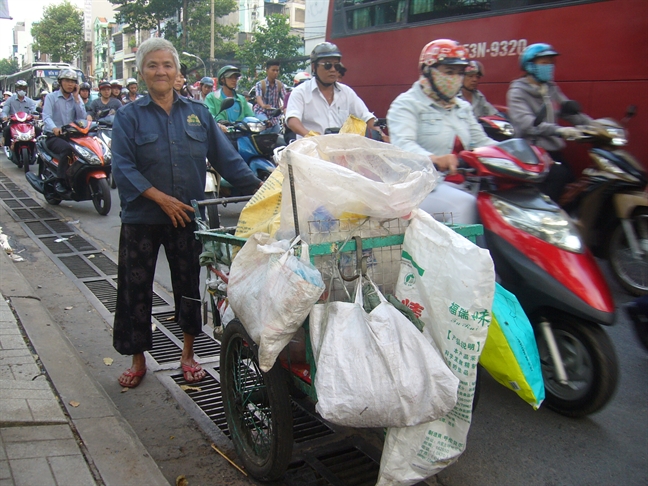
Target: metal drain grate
307,426
81,244
164,349
104,292
57,247
204,345
78,266
103,263
209,399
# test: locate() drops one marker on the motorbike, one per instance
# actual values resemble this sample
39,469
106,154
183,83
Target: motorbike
539,256
102,130
609,203
21,149
87,174
496,126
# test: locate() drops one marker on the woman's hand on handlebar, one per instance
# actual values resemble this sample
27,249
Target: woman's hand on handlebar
445,163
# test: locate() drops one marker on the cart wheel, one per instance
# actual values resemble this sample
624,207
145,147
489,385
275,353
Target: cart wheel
257,406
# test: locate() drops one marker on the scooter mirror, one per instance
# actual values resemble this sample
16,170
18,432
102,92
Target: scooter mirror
540,116
570,107
226,104
630,111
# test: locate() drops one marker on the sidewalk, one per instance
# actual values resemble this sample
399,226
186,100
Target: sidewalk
40,444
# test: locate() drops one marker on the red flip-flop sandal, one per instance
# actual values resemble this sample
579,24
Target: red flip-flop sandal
129,373
193,369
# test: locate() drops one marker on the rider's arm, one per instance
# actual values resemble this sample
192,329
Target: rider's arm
296,126
295,112
478,137
213,105
79,108
48,111
245,106
5,110
522,116
577,119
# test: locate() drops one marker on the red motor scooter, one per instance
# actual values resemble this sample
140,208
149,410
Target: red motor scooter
540,257
22,147
87,175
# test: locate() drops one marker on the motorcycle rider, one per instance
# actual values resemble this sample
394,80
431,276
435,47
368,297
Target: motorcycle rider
16,103
470,93
525,98
270,93
132,95
84,93
62,107
115,90
428,118
103,103
206,87
228,79
322,102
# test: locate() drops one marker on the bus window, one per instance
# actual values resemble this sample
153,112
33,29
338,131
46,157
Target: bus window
365,15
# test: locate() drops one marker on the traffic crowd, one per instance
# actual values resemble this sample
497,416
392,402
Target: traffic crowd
155,192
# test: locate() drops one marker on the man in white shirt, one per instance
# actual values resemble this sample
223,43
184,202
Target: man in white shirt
322,102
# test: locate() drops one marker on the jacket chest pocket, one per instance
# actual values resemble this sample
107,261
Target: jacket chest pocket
431,124
197,141
147,150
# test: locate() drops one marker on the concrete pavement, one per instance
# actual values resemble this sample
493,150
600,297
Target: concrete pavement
57,424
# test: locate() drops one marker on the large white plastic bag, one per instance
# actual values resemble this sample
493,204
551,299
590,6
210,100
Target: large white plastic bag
376,369
272,291
338,174
450,282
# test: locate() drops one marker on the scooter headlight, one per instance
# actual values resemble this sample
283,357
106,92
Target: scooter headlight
554,227
88,155
618,135
256,127
25,137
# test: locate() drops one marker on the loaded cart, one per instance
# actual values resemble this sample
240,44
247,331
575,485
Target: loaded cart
258,404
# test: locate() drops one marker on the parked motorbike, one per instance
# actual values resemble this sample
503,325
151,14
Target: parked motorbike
540,257
21,148
86,175
609,203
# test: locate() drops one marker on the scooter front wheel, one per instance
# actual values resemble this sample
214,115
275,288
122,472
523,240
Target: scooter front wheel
100,191
590,364
631,271
26,159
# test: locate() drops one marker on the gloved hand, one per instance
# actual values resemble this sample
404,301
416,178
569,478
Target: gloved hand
568,133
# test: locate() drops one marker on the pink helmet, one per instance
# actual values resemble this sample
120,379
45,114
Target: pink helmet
443,51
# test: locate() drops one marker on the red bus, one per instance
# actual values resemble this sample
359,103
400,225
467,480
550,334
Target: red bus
603,45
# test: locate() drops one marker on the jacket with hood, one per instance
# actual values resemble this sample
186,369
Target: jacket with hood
524,100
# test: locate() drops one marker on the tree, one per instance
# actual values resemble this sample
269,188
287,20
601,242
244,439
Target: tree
272,41
145,14
9,66
60,32
198,31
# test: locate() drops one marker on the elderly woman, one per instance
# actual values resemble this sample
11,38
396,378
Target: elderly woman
160,143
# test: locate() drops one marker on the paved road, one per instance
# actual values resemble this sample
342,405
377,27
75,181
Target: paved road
509,443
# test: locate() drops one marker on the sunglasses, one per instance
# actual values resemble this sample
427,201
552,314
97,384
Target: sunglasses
329,65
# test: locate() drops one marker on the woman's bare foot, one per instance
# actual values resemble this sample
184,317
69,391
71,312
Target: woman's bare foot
133,376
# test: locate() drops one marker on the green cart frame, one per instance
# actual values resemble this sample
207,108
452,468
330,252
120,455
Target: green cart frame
257,404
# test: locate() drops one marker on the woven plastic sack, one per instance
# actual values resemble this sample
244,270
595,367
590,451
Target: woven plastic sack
449,283
344,173
376,369
272,291
511,353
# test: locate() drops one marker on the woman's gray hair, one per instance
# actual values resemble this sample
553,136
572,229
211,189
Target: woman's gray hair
155,44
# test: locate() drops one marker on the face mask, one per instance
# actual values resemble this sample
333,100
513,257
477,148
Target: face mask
21,93
447,84
543,72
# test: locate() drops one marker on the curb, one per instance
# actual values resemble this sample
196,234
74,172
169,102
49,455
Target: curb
112,445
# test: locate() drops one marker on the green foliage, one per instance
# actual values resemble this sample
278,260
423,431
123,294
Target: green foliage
60,32
273,41
8,66
199,33
145,14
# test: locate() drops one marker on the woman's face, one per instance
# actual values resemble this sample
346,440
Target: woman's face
179,82
159,72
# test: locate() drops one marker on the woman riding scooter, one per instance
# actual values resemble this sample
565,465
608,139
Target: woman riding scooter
526,98
429,117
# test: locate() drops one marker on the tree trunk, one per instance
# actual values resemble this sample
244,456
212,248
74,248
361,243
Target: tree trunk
185,6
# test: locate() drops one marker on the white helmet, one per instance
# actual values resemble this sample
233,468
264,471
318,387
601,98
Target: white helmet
130,81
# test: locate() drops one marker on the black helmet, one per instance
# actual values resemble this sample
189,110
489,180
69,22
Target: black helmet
324,49
84,85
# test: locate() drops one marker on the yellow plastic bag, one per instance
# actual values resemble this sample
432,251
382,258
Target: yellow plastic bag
261,213
510,353
354,125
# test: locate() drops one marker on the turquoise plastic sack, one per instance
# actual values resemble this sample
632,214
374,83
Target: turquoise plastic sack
511,353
